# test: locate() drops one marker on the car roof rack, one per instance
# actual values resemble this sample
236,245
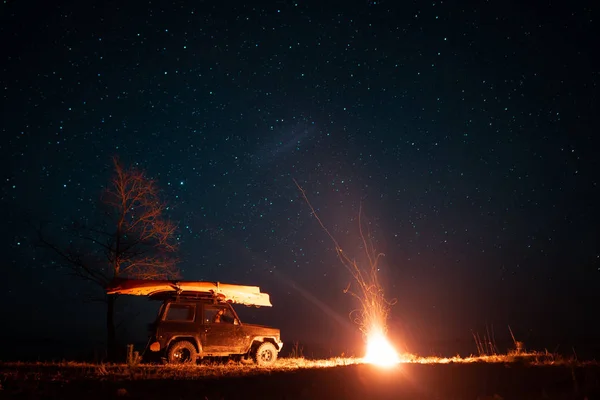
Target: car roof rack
187,295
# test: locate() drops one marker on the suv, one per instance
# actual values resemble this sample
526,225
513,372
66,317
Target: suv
192,327
196,320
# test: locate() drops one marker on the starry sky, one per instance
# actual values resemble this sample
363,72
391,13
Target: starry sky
468,134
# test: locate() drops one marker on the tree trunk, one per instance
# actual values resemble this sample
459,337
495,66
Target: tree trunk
111,334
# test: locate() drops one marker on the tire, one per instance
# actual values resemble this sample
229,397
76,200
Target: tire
266,354
182,352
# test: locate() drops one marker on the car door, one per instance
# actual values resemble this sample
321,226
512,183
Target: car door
222,330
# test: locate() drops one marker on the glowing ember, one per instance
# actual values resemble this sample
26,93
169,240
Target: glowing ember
380,351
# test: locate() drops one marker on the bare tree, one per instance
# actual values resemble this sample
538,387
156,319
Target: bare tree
133,240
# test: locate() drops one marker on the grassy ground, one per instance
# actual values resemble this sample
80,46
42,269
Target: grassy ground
67,370
529,376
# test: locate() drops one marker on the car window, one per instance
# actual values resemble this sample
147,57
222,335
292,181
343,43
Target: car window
218,315
181,312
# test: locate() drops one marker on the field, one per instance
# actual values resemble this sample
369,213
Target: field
337,378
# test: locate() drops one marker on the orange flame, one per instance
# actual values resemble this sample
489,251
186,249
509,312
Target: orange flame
380,351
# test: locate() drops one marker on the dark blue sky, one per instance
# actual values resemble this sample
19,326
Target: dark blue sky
467,133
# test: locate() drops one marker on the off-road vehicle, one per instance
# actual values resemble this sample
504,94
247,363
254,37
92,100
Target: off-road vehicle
197,320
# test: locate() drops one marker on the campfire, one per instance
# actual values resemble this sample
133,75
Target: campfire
380,351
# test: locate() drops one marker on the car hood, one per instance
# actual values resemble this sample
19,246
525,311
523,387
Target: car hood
261,330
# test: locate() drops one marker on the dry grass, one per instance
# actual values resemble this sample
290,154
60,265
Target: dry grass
468,378
68,370
529,358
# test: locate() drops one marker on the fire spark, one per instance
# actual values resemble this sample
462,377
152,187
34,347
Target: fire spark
374,307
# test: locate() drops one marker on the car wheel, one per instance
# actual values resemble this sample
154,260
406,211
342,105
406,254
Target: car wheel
266,354
182,352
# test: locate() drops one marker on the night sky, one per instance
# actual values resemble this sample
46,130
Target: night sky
468,135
